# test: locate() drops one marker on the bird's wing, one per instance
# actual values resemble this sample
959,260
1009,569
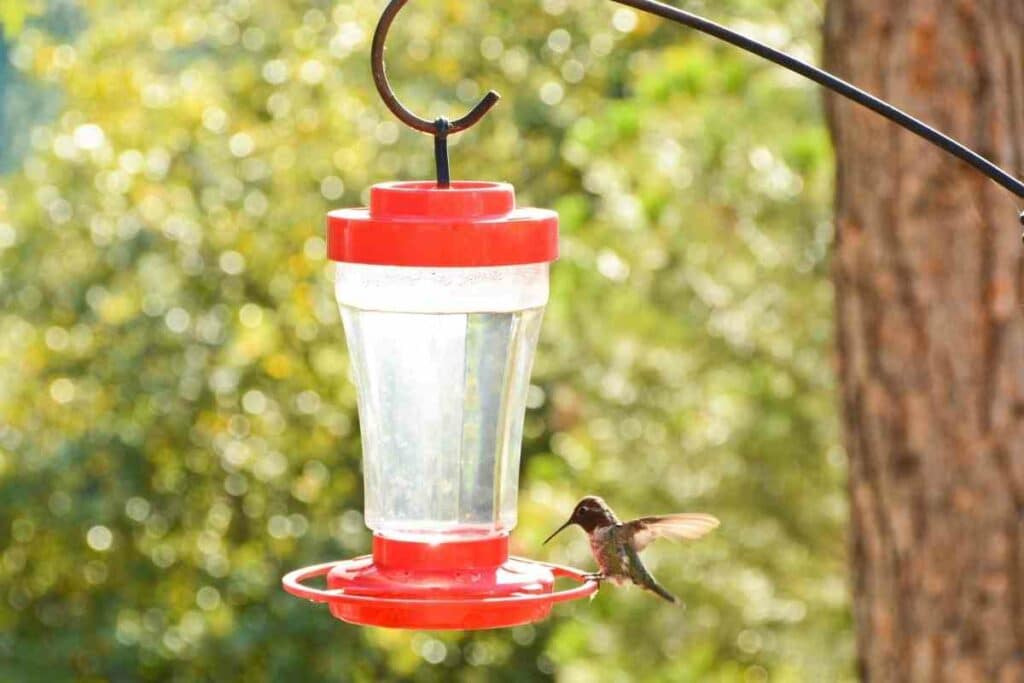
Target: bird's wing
688,526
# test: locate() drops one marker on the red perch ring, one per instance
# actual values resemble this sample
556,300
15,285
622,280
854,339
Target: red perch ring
465,584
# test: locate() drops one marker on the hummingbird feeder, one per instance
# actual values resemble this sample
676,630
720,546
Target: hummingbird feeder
441,293
442,287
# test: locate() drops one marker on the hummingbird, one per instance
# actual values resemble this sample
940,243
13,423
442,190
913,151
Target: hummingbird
616,545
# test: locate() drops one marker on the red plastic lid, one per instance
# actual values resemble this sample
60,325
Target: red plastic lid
418,224
462,584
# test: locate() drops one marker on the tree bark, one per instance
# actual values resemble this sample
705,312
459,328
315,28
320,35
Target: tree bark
930,332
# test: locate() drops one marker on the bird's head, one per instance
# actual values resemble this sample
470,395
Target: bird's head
590,513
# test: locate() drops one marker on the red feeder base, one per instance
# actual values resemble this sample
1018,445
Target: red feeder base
465,584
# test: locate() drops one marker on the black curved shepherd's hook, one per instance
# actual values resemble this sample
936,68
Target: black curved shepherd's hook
441,127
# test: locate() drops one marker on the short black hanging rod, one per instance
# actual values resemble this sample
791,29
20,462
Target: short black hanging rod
440,128
703,25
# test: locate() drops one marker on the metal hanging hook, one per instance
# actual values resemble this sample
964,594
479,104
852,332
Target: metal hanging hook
440,128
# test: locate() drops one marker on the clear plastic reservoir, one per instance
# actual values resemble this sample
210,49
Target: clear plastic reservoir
442,359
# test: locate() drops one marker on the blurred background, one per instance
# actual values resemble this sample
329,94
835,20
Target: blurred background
177,424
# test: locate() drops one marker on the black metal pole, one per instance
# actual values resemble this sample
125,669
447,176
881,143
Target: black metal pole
834,84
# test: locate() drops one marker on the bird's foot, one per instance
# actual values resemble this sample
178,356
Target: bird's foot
594,576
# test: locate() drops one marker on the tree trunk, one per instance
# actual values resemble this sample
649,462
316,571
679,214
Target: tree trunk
930,332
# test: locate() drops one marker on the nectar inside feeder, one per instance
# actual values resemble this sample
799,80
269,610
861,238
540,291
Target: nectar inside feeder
441,292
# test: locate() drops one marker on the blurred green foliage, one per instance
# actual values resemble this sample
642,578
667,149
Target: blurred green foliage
177,424
13,14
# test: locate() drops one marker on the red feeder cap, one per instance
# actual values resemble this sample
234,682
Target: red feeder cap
470,224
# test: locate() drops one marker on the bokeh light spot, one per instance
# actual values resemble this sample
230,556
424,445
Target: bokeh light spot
99,538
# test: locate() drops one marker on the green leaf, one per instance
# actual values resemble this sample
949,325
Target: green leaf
14,13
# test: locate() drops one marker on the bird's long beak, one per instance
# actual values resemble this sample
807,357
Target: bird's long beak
558,531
